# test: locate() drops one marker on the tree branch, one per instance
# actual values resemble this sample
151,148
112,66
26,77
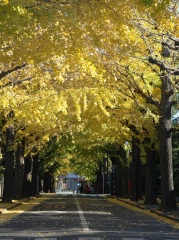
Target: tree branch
5,73
174,48
163,67
18,82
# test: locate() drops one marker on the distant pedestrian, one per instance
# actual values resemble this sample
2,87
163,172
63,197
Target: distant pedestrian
87,189
81,189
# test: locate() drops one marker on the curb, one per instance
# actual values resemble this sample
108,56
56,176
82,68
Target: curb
4,210
159,213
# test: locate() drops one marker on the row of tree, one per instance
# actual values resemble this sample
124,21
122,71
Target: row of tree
79,75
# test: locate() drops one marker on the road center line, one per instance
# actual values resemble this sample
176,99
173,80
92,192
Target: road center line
82,217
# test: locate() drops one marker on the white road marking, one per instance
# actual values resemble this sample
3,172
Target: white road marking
89,238
65,212
45,238
7,238
132,239
82,217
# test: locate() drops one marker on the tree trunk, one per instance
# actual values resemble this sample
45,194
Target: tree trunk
9,164
98,186
150,177
52,185
121,180
27,176
124,172
19,170
113,176
105,175
165,147
34,183
119,186
135,168
47,182
40,182
125,193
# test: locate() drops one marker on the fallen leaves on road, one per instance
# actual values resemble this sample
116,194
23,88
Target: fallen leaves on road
10,210
144,211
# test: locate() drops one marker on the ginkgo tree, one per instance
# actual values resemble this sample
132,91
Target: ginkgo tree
40,112
97,38
152,41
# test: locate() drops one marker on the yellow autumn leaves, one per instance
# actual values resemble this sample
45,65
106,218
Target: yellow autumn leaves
85,65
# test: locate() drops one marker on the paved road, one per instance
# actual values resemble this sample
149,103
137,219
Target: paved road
84,217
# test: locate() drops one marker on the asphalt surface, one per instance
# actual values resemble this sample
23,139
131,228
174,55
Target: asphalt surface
84,217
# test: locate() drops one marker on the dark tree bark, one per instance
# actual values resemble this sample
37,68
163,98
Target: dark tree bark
52,187
40,182
125,193
27,176
121,180
150,177
9,164
119,173
135,170
48,182
119,176
165,147
125,170
113,176
98,187
19,170
34,183
105,175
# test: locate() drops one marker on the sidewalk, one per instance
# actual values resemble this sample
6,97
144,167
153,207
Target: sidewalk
172,215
